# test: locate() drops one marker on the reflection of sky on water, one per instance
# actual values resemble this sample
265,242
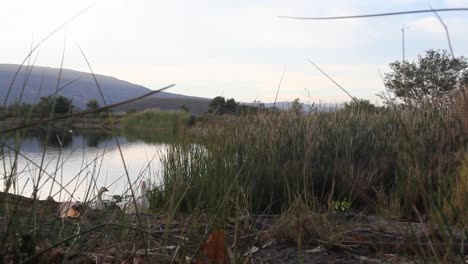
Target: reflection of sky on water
87,160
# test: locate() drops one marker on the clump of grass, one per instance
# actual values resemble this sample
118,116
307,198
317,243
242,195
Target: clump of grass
155,125
342,155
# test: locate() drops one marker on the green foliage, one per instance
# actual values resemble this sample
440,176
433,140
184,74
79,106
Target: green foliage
435,79
56,105
360,105
16,109
216,105
156,125
219,106
131,111
296,106
92,105
342,206
184,108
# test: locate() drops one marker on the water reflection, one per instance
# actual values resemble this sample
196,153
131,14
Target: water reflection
76,164
54,139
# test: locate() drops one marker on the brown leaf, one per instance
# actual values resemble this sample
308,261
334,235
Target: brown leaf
215,248
69,210
73,213
358,238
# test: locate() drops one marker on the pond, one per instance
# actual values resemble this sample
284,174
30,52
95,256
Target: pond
76,164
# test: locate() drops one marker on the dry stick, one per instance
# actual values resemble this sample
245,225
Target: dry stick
51,115
56,118
447,34
118,145
92,73
38,166
27,74
116,139
385,87
403,50
331,79
279,86
381,14
36,47
63,87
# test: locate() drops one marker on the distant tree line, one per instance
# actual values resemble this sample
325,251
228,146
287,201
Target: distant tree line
220,106
46,107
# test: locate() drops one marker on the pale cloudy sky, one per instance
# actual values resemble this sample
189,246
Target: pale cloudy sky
235,48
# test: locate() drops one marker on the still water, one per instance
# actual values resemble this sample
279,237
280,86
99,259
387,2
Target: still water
76,164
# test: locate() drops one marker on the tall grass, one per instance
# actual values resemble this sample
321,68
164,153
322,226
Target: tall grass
155,125
413,156
408,164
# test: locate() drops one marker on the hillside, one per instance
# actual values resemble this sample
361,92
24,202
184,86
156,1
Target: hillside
81,87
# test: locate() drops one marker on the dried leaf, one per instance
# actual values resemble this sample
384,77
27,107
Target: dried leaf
69,210
215,248
268,243
251,251
358,238
73,213
316,250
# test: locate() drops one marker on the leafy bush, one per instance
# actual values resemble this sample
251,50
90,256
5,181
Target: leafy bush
435,79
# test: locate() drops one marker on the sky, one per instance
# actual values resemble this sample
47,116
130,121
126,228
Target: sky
237,49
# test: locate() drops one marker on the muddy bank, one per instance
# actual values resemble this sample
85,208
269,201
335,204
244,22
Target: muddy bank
106,123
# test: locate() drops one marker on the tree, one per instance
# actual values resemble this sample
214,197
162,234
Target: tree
219,105
296,106
230,107
360,105
57,105
434,78
216,105
92,105
185,108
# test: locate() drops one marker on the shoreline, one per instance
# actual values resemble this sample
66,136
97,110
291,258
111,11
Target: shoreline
113,123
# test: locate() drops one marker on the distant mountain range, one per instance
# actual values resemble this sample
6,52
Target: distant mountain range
81,87
40,81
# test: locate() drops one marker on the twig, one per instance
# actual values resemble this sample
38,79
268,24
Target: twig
447,33
37,46
380,14
279,86
331,79
83,233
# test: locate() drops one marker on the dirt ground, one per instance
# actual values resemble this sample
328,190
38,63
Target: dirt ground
111,236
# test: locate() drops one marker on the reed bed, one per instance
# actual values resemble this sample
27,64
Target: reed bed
406,163
155,125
